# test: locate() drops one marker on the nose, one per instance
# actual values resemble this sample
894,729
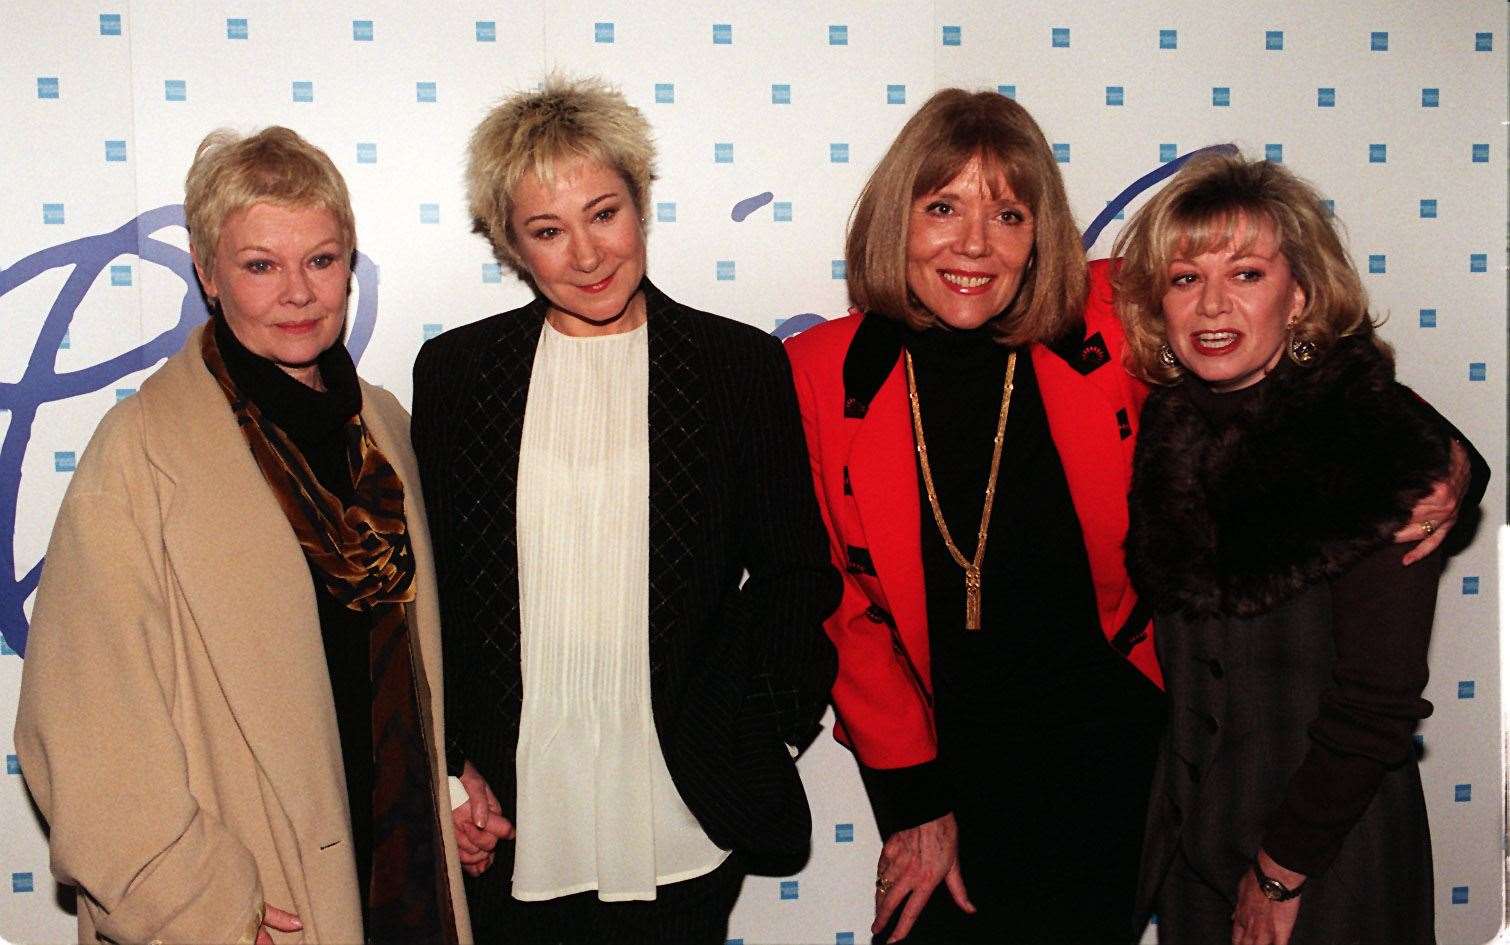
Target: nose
585,255
971,237
1213,298
297,288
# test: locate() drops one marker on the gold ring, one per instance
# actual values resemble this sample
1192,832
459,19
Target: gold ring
1428,526
884,884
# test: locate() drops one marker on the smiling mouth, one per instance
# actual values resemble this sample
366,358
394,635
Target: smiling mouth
965,282
597,287
300,327
1215,342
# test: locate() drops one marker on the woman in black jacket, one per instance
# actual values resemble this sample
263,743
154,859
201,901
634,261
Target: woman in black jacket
603,467
1271,471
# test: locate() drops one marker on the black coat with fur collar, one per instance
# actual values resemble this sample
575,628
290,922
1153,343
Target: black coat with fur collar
1319,468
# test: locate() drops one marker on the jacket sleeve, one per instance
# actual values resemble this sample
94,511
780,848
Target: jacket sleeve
1382,615
882,707
95,725
792,586
428,433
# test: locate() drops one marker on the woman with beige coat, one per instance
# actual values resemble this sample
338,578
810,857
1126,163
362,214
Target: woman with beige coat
229,708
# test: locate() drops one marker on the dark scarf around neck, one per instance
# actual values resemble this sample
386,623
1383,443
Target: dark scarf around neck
1235,512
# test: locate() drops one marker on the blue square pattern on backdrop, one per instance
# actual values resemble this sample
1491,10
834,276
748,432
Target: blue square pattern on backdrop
1010,91
844,833
665,212
837,270
21,883
121,393
361,31
788,889
424,91
1168,152
1062,152
492,273
52,213
1330,205
723,34
1431,98
838,153
1274,153
47,86
110,24
1462,793
1059,37
1481,153
1114,95
12,764
1471,585
838,35
781,211
366,152
1378,154
304,91
1465,689
120,275
236,28
844,938
1428,318
64,461
723,152
1428,209
723,270
5,649
1477,262
951,36
1326,98
429,213
175,90
1378,41
1478,371
431,330
1119,215
115,150
1483,42
1460,895
602,32
781,94
665,93
1221,96
1169,39
896,95
1274,39
1376,263
487,31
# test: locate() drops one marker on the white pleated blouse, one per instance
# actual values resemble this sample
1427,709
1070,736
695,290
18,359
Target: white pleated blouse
596,805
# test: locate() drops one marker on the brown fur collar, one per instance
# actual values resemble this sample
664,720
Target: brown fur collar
1318,469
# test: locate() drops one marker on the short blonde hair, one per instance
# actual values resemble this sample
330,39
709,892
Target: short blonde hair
231,172
950,129
532,132
1210,202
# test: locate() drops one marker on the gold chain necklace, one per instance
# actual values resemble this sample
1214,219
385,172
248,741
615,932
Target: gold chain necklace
972,567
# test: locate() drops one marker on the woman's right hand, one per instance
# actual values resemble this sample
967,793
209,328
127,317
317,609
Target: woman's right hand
479,822
913,863
277,920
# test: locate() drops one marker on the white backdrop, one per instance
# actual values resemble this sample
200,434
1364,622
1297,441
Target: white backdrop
1396,111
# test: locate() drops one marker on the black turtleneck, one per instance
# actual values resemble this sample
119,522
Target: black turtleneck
316,422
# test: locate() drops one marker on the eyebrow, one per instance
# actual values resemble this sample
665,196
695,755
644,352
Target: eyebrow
259,248
586,206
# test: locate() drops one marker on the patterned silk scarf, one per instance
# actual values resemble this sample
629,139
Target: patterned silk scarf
360,551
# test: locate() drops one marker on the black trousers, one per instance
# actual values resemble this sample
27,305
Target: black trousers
691,912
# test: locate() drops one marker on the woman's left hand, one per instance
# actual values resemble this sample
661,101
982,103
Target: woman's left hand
1434,516
1259,920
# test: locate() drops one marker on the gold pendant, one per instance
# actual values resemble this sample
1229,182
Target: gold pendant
972,598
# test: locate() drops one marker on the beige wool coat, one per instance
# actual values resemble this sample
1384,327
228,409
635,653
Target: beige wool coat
176,724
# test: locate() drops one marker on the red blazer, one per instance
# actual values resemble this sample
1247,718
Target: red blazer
853,396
